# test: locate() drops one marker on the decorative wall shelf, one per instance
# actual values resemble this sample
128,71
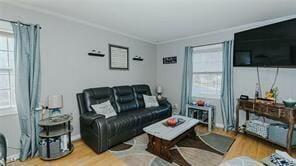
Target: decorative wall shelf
96,54
138,59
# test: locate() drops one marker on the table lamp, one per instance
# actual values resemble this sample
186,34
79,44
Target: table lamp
55,103
159,92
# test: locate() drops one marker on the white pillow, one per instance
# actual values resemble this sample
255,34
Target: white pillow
104,108
150,101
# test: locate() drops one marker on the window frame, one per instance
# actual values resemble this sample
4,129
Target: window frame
207,96
10,109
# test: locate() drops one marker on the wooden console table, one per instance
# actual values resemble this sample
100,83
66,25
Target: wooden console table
276,112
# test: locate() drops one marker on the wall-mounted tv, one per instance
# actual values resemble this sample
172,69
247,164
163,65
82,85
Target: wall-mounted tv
268,46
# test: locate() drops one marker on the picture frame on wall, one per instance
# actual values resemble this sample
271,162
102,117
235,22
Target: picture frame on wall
169,60
118,57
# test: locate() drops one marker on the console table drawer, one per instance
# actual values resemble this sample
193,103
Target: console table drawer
284,114
273,112
254,107
260,108
277,112
248,105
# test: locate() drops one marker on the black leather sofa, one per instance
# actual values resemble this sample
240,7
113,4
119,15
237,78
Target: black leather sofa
3,150
101,133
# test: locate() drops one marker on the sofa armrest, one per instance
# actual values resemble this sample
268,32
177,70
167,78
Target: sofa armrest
93,130
3,149
165,103
90,117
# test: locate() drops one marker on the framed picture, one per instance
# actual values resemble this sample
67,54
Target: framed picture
118,57
169,60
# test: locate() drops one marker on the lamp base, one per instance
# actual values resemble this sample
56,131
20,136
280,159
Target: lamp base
159,96
54,111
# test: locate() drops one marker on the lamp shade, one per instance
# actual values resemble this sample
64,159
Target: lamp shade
159,89
55,101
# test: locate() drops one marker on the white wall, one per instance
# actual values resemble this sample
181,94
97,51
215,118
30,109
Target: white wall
170,76
66,67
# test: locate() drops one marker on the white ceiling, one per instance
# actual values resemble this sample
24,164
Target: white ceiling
163,20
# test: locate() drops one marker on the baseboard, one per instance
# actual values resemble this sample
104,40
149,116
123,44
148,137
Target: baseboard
76,137
13,157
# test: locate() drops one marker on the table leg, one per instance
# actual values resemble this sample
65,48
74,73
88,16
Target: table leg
152,146
47,142
192,134
289,140
186,113
247,115
69,136
165,150
159,147
237,118
210,120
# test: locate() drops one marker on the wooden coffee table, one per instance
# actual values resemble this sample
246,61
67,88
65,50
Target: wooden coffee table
162,137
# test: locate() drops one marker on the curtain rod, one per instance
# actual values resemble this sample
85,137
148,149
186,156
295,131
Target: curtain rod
1,19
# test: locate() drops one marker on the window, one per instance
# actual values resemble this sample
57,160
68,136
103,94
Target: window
207,71
7,74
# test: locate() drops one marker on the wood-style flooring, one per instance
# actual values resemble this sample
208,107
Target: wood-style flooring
82,155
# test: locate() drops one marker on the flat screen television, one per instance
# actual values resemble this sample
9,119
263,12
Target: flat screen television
268,46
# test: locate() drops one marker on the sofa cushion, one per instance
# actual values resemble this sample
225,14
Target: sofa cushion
143,117
120,123
98,95
139,91
125,98
104,108
150,101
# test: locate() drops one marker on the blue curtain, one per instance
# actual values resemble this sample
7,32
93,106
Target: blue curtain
186,80
27,85
227,100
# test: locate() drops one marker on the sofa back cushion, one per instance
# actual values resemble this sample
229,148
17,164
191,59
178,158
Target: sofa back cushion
94,96
141,90
125,98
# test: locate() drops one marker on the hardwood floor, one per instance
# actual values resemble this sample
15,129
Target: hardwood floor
83,155
246,145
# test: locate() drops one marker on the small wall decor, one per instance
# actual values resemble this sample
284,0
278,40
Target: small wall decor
95,53
138,58
169,60
118,57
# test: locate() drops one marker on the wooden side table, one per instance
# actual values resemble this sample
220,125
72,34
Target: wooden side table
54,128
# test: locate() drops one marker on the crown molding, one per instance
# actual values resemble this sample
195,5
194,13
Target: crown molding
245,27
69,18
94,25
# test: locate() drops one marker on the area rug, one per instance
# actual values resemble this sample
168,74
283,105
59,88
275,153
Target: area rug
187,152
218,142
